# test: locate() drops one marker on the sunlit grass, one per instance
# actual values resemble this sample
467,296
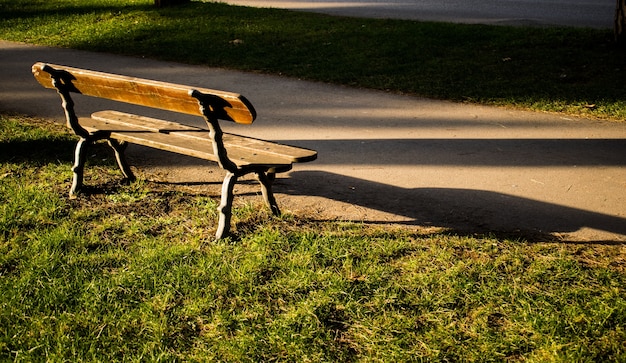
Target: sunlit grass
138,277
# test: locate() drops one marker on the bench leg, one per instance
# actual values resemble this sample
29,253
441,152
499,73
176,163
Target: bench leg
79,167
119,148
266,180
226,205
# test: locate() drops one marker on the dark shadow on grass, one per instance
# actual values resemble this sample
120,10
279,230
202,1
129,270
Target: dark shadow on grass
525,66
37,152
46,150
61,9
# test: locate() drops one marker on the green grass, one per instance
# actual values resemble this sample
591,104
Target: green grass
130,273
575,71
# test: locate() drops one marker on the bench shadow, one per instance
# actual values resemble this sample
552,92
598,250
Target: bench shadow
38,152
52,149
467,152
460,211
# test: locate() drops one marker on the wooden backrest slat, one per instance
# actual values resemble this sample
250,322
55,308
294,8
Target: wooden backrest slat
156,94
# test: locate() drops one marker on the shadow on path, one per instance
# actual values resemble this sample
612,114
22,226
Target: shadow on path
463,211
495,152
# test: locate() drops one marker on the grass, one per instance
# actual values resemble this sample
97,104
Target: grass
570,70
130,273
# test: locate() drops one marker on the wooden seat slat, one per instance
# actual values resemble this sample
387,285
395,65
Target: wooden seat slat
193,141
133,122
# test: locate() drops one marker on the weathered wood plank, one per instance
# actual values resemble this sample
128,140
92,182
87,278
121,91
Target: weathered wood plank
193,141
156,94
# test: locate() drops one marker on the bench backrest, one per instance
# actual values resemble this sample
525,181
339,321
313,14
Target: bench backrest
167,96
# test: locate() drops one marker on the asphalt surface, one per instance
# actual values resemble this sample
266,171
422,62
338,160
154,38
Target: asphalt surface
385,158
578,13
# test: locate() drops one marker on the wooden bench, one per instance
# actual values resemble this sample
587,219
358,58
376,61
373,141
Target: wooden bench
237,155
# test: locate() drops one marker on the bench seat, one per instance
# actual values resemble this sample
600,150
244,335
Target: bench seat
194,141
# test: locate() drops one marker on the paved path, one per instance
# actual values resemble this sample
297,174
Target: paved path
580,13
386,158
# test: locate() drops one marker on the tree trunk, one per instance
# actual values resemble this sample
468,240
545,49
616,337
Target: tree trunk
162,3
620,22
